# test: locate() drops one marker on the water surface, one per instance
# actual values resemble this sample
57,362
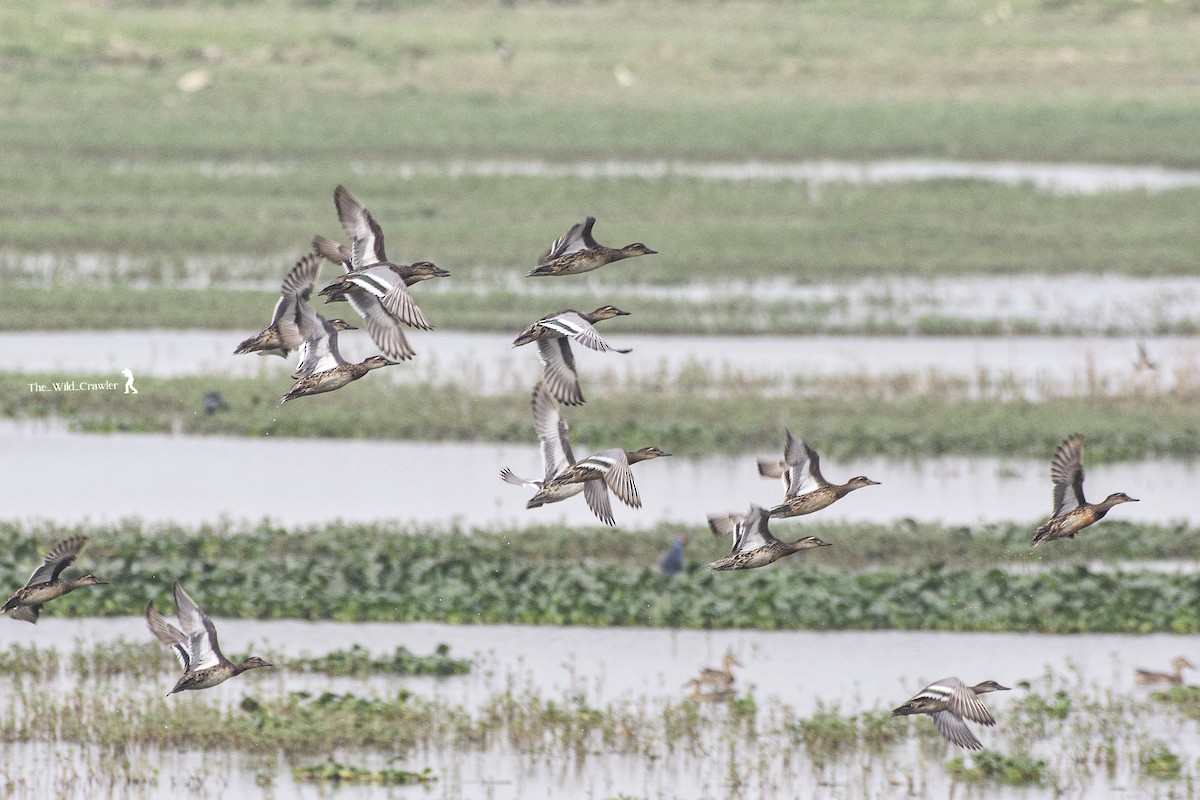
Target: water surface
1031,367
1047,177
67,477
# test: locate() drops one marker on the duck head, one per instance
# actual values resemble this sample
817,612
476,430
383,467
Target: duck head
859,481
607,312
989,686
645,454
423,271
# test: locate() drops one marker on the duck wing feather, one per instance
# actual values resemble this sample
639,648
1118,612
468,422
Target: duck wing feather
202,636
595,494
551,430
572,242
558,370
366,236
169,635
381,326
805,467
58,559
1066,471
951,726
613,466
753,532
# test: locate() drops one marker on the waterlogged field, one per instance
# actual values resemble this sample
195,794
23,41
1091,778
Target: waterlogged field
855,191
498,732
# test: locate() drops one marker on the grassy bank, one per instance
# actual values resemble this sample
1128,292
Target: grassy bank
357,574
682,418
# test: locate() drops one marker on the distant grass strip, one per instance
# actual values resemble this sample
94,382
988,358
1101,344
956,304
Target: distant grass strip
343,574
682,419
246,311
93,231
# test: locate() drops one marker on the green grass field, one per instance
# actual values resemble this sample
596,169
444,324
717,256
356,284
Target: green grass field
106,159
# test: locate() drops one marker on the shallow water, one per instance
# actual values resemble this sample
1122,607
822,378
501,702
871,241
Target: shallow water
1055,178
1029,367
798,668
191,480
806,671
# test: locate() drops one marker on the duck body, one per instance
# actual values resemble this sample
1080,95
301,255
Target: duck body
721,678
565,477
578,252
194,644
611,467
283,334
557,456
387,282
205,678
332,379
549,494
44,585
754,545
949,701
267,342
805,489
1072,512
1145,677
553,334
375,287
811,502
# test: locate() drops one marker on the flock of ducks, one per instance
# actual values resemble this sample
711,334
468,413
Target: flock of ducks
378,291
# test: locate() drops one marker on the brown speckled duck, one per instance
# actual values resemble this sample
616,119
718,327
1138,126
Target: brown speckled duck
1146,677
720,678
375,287
194,643
948,701
578,252
753,543
283,334
806,490
322,368
565,477
44,585
553,334
1072,513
